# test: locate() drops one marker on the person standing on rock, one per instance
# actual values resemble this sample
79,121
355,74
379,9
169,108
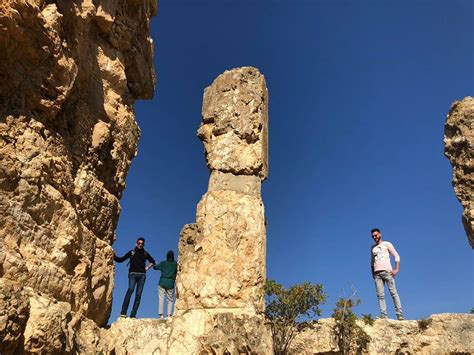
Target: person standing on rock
168,268
136,275
383,274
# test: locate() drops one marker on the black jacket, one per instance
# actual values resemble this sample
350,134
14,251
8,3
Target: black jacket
137,260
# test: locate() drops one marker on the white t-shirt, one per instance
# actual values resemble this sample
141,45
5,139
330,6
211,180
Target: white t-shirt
381,256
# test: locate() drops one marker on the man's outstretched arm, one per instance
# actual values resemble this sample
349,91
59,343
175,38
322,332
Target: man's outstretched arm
120,259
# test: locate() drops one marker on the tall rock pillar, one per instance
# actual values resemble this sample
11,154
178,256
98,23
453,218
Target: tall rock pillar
222,272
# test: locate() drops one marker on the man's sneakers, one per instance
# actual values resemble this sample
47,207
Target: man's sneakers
123,316
400,317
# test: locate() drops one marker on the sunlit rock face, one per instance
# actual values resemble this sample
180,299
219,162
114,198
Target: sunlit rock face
222,255
439,334
459,149
69,75
220,296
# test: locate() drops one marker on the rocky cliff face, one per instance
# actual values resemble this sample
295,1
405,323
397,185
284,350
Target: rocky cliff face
459,149
69,74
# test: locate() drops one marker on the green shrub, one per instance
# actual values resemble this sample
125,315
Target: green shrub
368,319
350,337
424,323
290,311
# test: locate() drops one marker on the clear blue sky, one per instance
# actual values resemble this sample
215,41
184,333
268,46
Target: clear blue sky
359,92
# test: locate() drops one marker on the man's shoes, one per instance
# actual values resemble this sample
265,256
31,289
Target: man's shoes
400,318
123,316
382,317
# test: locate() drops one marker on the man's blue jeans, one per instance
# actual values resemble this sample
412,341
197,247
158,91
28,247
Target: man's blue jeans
381,278
134,279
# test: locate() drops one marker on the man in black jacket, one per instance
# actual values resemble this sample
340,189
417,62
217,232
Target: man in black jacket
136,275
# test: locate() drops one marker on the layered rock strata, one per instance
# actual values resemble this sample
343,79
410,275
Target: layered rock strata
439,334
459,149
69,74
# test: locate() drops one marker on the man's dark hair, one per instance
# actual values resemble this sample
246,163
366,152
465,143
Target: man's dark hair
374,230
170,255
142,239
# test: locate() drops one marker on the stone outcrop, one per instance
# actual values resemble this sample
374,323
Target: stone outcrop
459,149
227,334
439,334
69,75
221,271
220,296
222,255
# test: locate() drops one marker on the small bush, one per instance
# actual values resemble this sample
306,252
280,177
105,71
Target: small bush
368,319
424,323
350,337
290,311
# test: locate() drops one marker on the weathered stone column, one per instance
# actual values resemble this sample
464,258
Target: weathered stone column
220,294
459,149
222,256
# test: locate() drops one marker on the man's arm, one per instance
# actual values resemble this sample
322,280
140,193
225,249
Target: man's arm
158,266
391,250
397,268
151,261
372,263
121,259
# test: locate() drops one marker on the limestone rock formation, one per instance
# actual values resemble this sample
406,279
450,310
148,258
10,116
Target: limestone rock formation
440,334
221,272
69,74
222,256
459,149
231,334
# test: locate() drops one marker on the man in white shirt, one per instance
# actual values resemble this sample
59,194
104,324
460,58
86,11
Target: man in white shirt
383,273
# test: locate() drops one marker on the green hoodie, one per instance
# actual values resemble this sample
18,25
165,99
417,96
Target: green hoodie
168,273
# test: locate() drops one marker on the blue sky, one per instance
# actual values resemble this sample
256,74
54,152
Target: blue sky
359,92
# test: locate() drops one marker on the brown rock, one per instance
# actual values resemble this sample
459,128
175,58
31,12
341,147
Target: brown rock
234,126
222,256
69,76
459,149
444,334
14,311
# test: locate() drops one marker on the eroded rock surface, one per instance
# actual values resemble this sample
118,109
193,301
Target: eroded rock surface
69,75
439,334
222,333
459,149
222,256
220,296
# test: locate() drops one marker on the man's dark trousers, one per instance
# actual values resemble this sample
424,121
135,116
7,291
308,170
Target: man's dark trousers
134,279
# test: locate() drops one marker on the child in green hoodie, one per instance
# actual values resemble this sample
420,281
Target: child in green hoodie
168,268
